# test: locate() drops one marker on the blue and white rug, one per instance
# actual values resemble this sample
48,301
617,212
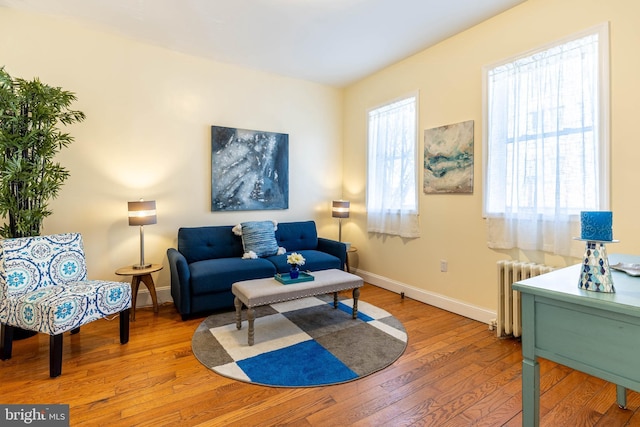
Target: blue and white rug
302,343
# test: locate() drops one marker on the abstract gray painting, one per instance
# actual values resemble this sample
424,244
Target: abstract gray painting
249,169
448,159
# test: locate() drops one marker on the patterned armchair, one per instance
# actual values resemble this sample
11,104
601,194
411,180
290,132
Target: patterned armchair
44,288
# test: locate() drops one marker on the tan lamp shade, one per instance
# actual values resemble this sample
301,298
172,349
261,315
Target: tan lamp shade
142,212
340,209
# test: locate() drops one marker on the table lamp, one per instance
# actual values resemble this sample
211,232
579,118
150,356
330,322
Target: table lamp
340,209
142,213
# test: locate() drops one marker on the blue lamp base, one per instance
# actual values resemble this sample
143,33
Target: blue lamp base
595,274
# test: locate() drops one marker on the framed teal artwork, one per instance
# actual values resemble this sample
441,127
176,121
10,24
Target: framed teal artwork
448,159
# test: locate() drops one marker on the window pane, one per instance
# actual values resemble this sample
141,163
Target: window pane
392,156
392,205
546,143
543,150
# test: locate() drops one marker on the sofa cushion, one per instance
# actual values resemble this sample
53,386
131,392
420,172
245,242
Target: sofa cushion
202,243
217,275
259,237
297,236
314,260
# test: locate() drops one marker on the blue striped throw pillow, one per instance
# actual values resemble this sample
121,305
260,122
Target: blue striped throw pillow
259,237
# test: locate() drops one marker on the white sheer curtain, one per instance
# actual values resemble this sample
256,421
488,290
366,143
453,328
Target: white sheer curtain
545,149
392,201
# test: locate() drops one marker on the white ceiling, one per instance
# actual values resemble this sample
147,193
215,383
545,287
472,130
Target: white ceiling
333,42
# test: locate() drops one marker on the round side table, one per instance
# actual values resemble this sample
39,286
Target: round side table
141,275
351,249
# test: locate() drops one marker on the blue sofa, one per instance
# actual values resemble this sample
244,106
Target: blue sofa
209,260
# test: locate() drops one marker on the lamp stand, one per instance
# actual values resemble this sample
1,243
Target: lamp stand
339,229
142,264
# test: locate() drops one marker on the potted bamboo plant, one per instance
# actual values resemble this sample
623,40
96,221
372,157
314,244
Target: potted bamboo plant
30,113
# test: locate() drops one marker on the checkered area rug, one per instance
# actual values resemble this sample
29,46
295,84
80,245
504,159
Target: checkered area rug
301,343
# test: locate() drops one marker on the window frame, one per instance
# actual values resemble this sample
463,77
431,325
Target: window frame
604,150
416,148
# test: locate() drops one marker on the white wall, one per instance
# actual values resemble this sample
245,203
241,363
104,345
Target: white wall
449,79
147,134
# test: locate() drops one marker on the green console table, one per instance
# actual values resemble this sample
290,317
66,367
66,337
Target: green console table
593,332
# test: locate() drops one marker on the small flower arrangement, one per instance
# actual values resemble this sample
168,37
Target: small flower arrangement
295,259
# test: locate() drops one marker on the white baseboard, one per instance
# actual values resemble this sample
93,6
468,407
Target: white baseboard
455,306
144,297
431,298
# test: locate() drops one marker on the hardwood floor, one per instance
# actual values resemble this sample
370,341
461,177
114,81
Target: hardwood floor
454,372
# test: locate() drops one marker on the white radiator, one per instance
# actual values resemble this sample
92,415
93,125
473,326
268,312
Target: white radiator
509,321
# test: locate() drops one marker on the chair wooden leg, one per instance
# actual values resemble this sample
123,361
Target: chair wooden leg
55,355
6,340
124,326
75,331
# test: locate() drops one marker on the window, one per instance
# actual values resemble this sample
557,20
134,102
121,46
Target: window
546,143
392,199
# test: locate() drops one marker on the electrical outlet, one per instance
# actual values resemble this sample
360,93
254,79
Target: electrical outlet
444,265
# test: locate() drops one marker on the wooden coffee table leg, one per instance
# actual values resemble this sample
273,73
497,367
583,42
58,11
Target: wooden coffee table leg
250,318
356,295
335,300
238,305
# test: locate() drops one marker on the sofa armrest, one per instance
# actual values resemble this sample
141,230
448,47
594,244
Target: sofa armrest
180,277
335,248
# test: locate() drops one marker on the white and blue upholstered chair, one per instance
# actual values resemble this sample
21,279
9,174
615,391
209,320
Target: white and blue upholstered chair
44,288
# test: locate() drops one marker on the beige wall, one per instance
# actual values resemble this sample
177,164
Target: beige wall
449,79
149,112
147,134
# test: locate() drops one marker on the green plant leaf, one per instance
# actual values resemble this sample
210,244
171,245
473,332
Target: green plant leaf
30,113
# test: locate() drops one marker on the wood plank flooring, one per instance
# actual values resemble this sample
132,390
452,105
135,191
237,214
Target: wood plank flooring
455,372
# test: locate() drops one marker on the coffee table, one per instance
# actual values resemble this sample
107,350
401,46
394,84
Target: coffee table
258,292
